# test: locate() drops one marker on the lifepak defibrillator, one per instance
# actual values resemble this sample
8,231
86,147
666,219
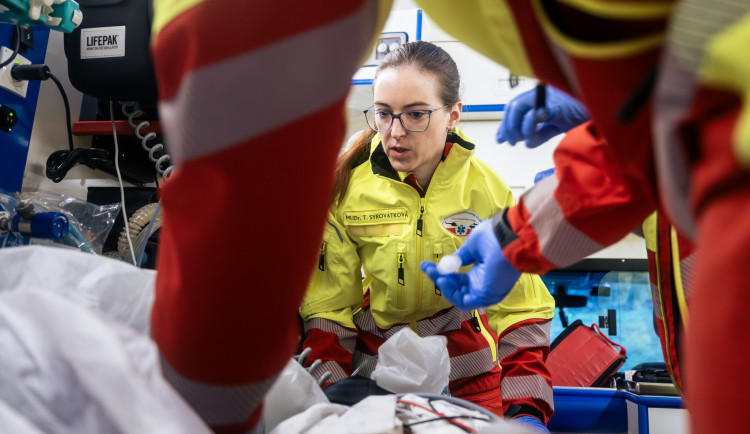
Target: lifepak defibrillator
108,54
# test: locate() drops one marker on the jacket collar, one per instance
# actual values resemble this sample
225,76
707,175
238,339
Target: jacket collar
382,166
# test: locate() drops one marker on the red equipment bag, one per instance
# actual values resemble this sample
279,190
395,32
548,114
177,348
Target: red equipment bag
583,357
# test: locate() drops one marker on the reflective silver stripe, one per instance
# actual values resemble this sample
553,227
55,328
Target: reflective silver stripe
687,273
657,300
337,372
256,92
529,386
560,242
471,364
528,336
695,22
673,97
347,338
692,26
395,329
216,404
366,323
447,322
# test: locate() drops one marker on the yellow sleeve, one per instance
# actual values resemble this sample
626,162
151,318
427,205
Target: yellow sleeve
486,26
336,283
528,299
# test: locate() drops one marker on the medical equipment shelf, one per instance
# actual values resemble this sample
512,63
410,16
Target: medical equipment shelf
104,128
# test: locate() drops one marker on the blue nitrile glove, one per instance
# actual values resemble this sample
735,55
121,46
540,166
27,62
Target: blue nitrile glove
543,174
488,282
522,122
531,423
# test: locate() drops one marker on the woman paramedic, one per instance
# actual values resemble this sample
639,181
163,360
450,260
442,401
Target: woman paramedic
413,192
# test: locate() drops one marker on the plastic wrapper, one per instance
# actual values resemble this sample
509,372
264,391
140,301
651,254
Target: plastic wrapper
294,391
90,224
408,363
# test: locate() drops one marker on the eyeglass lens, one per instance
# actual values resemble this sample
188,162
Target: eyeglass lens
412,120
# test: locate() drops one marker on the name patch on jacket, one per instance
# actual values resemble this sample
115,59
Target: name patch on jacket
462,223
376,216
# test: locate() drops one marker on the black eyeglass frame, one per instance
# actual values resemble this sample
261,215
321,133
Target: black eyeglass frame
398,116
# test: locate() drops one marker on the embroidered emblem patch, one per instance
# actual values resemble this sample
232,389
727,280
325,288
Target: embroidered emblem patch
462,223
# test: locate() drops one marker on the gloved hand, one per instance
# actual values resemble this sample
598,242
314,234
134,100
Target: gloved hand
531,423
488,282
523,122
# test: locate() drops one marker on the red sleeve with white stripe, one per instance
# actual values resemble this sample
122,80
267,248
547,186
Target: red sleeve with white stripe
526,382
587,206
241,95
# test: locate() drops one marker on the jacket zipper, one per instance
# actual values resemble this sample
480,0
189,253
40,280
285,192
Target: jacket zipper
478,326
420,241
322,257
420,252
401,287
315,284
438,250
420,221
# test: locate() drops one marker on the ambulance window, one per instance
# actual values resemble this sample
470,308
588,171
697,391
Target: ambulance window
619,302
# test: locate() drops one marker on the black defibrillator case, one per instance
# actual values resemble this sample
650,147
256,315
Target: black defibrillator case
108,54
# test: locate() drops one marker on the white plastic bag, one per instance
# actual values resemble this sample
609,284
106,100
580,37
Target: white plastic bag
66,369
408,363
294,391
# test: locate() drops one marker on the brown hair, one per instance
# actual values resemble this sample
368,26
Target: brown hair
427,57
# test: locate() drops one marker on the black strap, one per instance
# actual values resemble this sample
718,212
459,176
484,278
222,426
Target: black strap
637,100
503,231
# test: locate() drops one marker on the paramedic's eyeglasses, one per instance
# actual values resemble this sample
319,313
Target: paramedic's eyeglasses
415,121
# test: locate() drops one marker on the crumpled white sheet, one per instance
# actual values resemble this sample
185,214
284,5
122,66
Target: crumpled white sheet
13,422
117,289
66,369
372,415
378,414
68,364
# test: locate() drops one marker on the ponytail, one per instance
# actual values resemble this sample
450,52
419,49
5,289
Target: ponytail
352,157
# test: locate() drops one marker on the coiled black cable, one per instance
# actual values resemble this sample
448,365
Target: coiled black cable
60,162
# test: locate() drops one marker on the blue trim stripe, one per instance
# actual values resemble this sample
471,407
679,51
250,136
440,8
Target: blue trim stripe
362,81
419,24
642,419
483,108
655,401
649,400
14,146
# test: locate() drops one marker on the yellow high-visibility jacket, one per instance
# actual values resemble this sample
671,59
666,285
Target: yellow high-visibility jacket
385,227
